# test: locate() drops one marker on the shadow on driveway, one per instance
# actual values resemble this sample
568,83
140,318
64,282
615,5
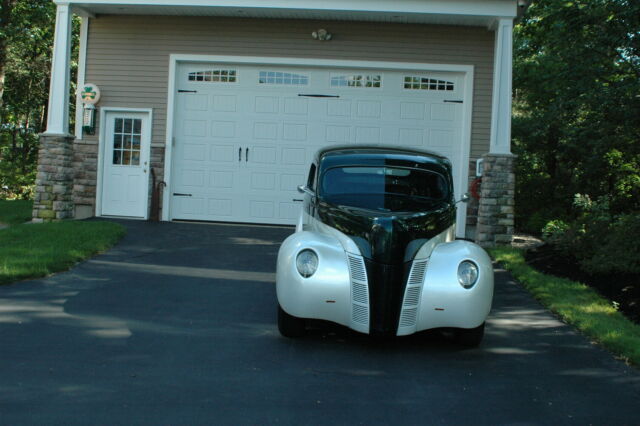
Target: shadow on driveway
176,325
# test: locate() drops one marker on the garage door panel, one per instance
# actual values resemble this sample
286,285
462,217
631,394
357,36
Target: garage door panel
223,153
195,152
266,130
243,147
195,128
223,129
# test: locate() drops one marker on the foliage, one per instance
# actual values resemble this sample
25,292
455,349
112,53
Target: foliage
26,39
578,305
37,250
555,230
576,119
15,212
601,242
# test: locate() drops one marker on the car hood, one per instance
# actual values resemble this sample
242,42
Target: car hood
391,238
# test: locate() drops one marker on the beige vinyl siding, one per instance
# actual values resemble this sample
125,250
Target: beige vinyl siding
128,56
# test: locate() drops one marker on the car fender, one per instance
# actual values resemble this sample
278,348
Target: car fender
444,302
326,294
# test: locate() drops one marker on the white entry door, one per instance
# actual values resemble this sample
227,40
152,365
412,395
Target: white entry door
125,187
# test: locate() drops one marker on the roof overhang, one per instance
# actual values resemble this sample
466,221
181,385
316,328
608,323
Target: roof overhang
444,12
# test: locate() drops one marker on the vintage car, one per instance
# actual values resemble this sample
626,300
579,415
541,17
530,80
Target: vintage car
375,249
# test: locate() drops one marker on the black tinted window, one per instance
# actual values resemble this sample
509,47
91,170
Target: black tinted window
383,188
311,184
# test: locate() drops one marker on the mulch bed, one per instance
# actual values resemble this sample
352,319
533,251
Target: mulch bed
623,289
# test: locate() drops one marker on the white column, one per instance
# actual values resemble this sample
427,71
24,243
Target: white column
502,75
82,65
58,118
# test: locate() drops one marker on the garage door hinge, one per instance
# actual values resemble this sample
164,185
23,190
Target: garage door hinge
453,101
187,91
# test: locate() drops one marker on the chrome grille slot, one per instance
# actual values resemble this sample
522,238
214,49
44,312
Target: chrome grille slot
359,290
412,297
417,273
412,294
356,267
408,317
360,314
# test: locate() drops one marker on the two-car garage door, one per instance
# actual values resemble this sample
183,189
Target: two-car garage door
244,135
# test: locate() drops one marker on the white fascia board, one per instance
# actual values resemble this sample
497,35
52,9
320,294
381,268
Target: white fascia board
488,8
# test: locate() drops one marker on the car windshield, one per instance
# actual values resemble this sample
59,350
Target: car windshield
383,188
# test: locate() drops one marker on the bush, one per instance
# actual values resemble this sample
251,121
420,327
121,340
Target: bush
555,230
602,243
615,246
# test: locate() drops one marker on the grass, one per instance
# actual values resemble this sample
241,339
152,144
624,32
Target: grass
37,250
577,304
14,212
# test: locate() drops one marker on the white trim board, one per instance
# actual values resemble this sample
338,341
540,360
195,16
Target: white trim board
82,68
468,71
101,146
488,8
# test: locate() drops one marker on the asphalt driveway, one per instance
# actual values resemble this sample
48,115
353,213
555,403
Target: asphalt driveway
176,326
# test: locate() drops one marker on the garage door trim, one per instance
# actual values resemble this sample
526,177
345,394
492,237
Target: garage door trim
467,70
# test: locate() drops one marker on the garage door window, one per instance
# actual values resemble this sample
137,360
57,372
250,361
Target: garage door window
357,80
426,83
284,78
214,76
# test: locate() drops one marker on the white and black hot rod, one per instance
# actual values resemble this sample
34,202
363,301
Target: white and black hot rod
375,249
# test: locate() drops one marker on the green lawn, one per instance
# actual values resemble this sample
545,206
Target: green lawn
576,304
37,250
13,212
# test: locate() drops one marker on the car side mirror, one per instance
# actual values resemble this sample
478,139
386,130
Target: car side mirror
303,189
465,198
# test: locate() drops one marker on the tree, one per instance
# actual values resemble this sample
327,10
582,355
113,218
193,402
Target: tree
576,120
26,39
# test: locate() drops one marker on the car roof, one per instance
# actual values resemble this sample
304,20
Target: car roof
377,155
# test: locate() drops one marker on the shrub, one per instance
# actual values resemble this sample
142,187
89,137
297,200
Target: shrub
602,243
555,230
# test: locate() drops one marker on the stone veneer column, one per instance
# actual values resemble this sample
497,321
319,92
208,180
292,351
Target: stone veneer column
496,210
54,180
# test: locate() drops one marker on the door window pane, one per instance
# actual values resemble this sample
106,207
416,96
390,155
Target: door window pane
127,137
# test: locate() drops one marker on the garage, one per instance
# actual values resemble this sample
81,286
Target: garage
244,134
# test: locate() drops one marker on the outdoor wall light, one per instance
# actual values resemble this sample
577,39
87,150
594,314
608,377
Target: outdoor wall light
322,35
90,95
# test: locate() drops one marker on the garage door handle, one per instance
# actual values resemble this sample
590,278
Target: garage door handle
297,200
246,155
178,194
240,154
453,101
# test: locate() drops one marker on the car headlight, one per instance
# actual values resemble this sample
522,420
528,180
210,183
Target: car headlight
307,263
467,274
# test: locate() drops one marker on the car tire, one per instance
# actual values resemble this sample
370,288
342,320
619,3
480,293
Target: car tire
290,326
470,337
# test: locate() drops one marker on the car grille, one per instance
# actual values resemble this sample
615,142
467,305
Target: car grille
412,293
359,290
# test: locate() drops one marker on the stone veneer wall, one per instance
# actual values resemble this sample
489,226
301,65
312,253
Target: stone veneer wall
54,180
496,210
85,164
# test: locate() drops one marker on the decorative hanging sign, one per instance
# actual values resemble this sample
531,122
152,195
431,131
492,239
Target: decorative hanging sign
90,93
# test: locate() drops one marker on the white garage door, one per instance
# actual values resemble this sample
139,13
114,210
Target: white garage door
244,135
